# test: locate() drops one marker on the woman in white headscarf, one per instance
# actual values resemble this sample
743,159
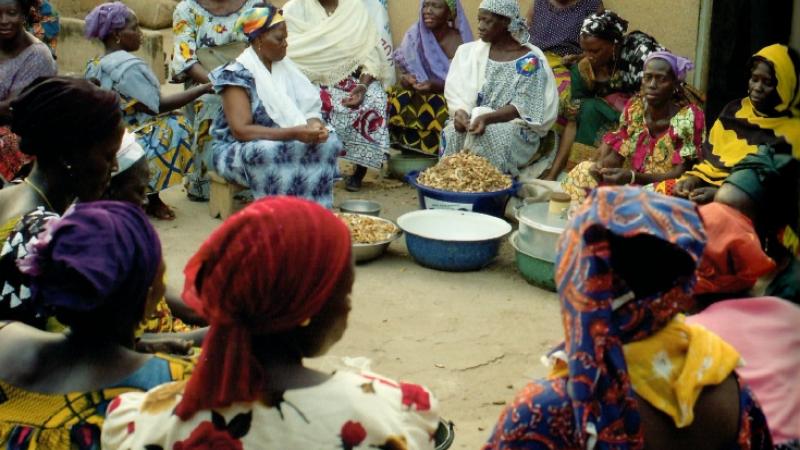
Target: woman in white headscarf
345,47
501,94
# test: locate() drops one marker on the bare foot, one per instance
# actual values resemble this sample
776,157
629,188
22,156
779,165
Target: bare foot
158,209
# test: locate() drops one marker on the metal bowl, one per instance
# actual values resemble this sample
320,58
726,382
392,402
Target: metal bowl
367,207
368,252
539,231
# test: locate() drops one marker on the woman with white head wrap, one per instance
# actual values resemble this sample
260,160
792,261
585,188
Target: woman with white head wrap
501,94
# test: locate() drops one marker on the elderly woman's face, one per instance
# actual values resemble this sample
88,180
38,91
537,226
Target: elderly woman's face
491,26
761,87
658,82
12,19
271,45
600,52
435,14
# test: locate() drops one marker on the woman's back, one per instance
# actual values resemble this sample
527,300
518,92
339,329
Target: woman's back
345,411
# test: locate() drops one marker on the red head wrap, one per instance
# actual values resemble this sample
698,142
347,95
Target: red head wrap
265,270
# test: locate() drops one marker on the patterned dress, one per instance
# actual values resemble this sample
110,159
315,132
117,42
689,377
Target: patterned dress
45,25
31,420
347,411
512,145
195,27
679,144
166,138
15,74
271,167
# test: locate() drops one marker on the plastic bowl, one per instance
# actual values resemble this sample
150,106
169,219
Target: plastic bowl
402,164
454,241
367,207
492,203
536,271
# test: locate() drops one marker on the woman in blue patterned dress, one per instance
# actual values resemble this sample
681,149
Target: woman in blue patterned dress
271,136
165,135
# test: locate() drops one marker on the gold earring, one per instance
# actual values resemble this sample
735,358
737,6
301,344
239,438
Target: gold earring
306,322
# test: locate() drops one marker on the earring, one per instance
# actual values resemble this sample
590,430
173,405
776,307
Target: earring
118,40
306,322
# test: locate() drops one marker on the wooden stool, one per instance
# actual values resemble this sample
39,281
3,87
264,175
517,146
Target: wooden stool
222,201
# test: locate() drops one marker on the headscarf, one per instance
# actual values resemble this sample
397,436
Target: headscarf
61,114
510,9
599,311
97,253
420,53
129,153
740,129
255,21
265,270
733,259
605,25
105,19
680,65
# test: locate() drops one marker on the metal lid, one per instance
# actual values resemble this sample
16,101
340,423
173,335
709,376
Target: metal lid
537,215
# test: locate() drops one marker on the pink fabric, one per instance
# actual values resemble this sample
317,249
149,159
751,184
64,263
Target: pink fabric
766,332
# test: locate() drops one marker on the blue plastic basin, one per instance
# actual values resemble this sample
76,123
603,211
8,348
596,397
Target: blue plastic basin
492,203
454,241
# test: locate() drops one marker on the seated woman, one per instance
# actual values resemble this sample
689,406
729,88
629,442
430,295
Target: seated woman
632,373
45,24
607,76
417,107
345,47
269,306
197,25
555,27
23,58
74,130
165,135
660,135
99,270
501,94
271,136
766,117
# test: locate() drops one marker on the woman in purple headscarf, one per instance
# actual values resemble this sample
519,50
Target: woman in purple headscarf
417,107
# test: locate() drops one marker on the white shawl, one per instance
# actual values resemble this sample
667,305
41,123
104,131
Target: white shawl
467,76
329,48
289,98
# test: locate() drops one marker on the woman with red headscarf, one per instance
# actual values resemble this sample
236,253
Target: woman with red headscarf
273,295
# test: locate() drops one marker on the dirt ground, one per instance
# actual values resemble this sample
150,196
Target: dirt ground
473,338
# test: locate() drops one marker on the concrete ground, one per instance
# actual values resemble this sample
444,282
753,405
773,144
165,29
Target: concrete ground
473,338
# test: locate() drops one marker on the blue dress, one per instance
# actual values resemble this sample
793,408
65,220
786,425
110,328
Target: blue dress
270,167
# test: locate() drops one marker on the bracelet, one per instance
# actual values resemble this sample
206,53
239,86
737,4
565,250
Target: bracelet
633,177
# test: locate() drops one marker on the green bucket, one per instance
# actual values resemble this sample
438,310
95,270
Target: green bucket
537,272
404,163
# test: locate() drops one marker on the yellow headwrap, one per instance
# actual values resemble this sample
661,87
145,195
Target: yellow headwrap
255,21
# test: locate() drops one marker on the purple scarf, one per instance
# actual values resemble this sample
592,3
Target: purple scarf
420,53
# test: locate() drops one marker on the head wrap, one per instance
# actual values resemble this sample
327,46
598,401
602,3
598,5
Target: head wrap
264,271
605,25
105,19
680,65
58,115
733,260
255,21
96,253
420,53
788,88
510,9
599,311
129,153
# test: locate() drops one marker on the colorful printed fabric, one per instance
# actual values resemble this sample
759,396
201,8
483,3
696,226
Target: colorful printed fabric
31,420
595,403
162,321
347,411
416,120
166,138
563,78
741,129
643,152
195,27
255,21
45,25
605,25
271,168
364,130
11,159
556,29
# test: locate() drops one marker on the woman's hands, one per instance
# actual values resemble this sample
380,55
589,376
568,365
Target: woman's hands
356,97
461,121
314,132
